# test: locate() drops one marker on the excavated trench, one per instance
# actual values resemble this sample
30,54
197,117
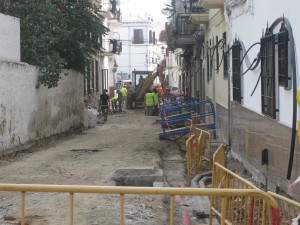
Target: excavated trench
138,177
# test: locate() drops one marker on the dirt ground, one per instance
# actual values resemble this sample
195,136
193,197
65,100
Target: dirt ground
125,141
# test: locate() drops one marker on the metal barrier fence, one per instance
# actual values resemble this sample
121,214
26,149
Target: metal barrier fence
198,152
238,210
288,208
222,194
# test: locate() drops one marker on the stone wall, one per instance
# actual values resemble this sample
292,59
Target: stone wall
29,113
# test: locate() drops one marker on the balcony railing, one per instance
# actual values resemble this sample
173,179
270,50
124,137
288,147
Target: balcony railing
192,7
183,25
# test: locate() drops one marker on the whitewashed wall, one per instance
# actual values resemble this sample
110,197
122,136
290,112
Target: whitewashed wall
28,113
9,37
173,69
247,23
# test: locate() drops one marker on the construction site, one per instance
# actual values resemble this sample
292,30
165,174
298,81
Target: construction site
102,122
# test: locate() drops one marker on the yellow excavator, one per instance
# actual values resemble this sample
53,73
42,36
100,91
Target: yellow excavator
142,81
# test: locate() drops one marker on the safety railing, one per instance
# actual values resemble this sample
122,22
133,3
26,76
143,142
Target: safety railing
198,152
288,208
223,194
237,210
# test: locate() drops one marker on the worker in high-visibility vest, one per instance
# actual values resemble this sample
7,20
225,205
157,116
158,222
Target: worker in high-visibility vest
124,93
156,102
149,103
114,101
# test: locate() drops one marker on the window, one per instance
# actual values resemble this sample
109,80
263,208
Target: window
150,36
138,36
225,57
104,78
88,78
153,39
268,97
97,75
283,38
236,72
93,76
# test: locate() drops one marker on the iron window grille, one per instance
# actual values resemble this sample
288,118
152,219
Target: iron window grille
268,97
283,38
183,25
236,72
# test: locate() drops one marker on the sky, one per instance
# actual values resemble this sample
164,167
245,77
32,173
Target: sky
152,7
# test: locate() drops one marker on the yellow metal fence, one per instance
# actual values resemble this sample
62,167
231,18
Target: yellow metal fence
288,208
198,152
246,210
222,194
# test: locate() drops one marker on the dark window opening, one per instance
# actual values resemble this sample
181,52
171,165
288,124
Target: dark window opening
153,39
150,36
283,38
225,57
236,72
88,78
138,36
97,75
93,76
104,79
268,98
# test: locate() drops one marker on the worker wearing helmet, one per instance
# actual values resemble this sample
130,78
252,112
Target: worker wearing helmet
156,102
149,103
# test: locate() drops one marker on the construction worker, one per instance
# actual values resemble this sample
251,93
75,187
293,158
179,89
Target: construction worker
156,102
149,103
114,103
124,93
104,104
120,99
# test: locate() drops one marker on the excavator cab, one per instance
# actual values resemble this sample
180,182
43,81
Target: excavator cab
138,81
138,78
141,82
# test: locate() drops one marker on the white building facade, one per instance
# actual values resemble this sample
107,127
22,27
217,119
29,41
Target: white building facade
140,47
263,118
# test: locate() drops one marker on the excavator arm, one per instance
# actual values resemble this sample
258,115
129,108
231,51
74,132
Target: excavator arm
158,71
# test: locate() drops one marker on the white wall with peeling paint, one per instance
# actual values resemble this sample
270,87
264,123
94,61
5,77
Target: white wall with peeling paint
28,113
9,37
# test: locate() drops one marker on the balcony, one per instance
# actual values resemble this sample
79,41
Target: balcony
110,10
184,30
198,14
211,4
199,18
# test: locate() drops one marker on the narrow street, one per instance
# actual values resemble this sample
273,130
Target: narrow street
103,156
